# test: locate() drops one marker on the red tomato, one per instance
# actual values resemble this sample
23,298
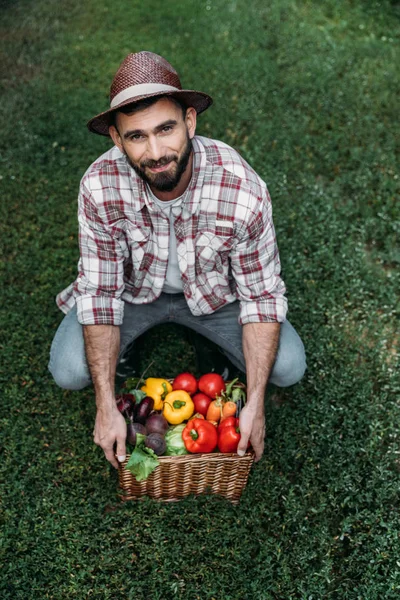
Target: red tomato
201,403
228,422
186,382
211,384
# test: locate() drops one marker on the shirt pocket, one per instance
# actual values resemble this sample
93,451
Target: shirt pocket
212,252
138,246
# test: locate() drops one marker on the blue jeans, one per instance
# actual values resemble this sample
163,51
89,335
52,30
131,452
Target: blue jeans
67,355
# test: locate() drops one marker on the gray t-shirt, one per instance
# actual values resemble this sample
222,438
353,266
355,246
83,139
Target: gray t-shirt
173,281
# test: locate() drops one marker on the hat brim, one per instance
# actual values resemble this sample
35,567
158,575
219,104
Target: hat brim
200,101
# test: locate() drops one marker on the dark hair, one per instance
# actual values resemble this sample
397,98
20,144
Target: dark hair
130,109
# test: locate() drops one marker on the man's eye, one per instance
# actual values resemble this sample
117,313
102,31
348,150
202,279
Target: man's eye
135,137
167,128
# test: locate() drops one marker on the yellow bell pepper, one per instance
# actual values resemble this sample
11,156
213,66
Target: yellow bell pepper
157,389
178,406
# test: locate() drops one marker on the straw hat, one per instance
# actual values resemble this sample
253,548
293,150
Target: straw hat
145,75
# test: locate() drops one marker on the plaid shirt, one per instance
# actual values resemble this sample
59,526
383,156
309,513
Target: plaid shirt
226,241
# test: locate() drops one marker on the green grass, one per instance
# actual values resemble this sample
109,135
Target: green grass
308,93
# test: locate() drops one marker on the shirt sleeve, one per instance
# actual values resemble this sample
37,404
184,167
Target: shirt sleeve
100,283
256,268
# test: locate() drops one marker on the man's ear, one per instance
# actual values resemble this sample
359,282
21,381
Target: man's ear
116,138
191,120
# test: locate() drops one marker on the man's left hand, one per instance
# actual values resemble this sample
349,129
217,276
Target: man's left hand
252,428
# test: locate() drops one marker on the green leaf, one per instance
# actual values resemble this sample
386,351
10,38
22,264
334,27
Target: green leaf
143,460
238,394
229,387
138,395
132,383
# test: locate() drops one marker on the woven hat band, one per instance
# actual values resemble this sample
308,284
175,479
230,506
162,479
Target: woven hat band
141,89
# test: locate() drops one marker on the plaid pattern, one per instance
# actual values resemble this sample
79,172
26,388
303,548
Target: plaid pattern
226,241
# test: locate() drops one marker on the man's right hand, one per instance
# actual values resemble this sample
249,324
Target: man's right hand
110,428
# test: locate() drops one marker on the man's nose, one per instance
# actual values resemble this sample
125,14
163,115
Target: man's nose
155,149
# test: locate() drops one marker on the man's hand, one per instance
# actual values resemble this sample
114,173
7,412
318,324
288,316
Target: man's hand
252,428
102,346
110,427
260,344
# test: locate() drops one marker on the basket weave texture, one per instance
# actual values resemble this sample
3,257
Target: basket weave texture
178,476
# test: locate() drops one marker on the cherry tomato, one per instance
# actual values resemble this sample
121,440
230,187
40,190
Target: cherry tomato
201,403
186,382
211,384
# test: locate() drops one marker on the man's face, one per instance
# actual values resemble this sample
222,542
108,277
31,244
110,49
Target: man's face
157,142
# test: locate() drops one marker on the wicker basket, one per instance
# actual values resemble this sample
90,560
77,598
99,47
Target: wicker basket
178,476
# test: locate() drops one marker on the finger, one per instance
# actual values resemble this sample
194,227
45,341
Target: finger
109,454
242,446
259,451
121,450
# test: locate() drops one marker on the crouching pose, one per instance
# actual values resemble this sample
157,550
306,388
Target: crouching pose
173,227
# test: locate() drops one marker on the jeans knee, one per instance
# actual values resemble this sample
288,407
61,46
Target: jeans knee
67,355
289,371
68,377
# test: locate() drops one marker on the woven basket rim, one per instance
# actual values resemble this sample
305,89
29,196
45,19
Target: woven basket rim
250,454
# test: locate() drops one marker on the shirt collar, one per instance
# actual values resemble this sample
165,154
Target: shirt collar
196,183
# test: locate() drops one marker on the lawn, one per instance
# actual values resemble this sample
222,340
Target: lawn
308,92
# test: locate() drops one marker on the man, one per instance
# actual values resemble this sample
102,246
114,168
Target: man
173,227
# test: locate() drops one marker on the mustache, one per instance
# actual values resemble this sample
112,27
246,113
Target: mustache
153,164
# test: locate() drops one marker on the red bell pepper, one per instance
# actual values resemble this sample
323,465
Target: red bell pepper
228,435
200,436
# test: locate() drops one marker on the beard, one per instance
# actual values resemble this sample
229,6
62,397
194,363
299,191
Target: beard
165,181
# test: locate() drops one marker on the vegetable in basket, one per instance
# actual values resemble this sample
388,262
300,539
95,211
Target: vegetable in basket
214,411
132,430
125,404
178,407
156,442
173,439
143,460
186,382
232,399
143,410
156,423
200,436
201,403
157,389
211,384
228,435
